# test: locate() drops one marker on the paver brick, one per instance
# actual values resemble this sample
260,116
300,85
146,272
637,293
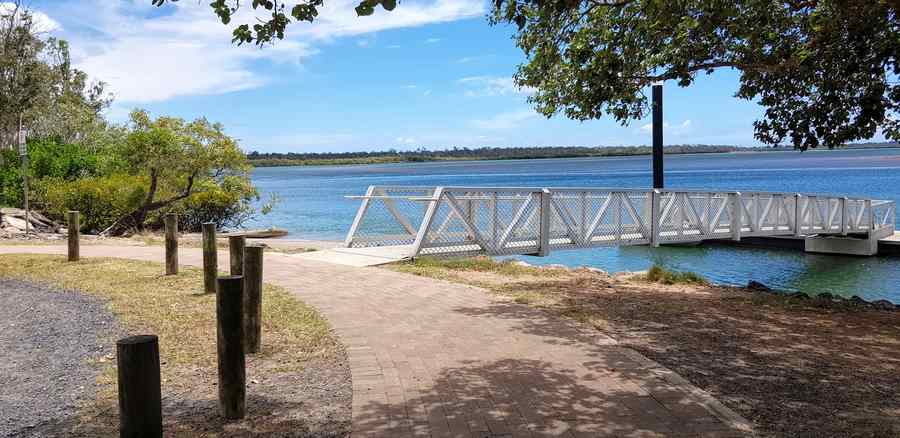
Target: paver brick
432,358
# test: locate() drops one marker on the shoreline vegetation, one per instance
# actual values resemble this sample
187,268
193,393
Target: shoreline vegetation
275,159
791,364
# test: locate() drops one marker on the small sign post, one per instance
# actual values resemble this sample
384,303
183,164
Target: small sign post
23,153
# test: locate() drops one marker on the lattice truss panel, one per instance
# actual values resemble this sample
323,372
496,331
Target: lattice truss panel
390,216
694,216
589,218
767,214
493,222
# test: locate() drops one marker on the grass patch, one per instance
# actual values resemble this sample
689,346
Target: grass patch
175,308
659,274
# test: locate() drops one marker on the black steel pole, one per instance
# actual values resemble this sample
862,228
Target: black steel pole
658,181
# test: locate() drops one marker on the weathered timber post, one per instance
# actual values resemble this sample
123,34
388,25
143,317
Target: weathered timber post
253,283
74,236
210,262
236,246
171,244
230,343
140,407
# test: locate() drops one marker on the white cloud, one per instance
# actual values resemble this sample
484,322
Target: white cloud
468,59
406,140
676,130
477,86
184,50
505,120
42,22
432,40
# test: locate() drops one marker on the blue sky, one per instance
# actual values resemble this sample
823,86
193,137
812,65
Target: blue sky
430,74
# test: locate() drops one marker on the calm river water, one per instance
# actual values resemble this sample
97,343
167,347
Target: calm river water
313,206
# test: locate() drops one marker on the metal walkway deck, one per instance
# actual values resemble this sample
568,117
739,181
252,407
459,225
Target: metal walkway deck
411,221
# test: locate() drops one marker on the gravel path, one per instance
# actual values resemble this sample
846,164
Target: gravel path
47,338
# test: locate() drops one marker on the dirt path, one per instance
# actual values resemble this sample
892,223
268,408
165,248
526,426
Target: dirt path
47,339
441,359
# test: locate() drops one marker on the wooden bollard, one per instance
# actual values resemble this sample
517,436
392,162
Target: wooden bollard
171,244
230,346
253,283
140,401
74,236
210,261
236,246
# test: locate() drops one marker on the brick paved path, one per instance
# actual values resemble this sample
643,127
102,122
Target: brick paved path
430,358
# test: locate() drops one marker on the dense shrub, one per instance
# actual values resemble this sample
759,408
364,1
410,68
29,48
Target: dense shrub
227,206
101,200
108,185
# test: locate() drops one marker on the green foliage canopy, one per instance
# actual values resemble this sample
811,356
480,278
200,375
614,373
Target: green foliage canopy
279,14
39,84
176,160
825,70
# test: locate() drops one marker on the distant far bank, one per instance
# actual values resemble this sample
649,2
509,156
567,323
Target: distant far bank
258,159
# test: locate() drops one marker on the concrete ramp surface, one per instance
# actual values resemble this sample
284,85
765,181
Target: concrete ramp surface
360,257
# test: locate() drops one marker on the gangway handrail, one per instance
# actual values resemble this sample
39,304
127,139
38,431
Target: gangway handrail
524,220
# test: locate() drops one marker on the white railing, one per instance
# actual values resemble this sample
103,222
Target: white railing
503,221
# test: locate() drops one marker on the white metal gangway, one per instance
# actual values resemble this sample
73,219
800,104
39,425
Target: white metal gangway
413,221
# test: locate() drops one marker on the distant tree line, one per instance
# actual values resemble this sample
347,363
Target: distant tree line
481,153
268,159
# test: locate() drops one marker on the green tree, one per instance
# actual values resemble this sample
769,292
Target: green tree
826,71
175,160
279,15
22,72
39,84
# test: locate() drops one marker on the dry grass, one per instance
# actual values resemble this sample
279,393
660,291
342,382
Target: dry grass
795,367
176,309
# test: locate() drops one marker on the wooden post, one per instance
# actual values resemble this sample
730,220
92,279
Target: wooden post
140,406
253,283
230,343
171,244
74,235
210,262
236,246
